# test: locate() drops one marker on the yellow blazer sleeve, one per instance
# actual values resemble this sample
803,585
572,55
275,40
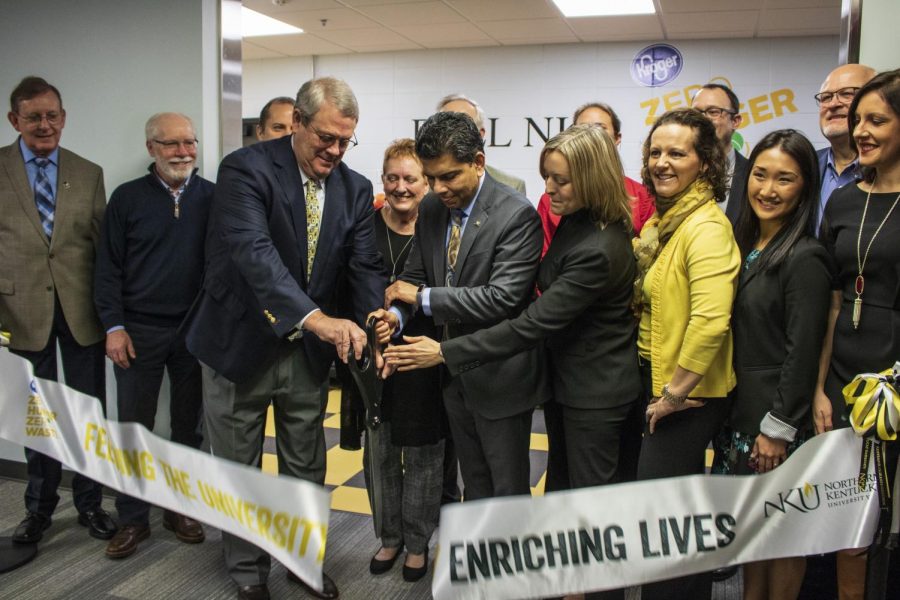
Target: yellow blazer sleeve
712,261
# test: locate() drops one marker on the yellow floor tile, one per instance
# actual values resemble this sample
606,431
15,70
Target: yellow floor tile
334,401
350,499
342,465
539,441
270,422
332,422
270,464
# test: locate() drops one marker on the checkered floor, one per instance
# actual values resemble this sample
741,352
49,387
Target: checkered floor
344,478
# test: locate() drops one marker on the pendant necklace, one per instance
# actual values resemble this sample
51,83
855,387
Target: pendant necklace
860,283
391,251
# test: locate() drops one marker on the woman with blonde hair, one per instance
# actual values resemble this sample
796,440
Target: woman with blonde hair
582,317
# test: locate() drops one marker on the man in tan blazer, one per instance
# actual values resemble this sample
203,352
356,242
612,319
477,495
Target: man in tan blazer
52,202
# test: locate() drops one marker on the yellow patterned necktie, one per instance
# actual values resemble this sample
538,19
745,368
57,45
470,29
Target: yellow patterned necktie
453,244
313,218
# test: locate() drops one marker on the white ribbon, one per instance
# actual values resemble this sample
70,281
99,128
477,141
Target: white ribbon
623,535
286,517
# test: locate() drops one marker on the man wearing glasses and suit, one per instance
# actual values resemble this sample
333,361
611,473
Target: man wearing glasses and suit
288,221
52,202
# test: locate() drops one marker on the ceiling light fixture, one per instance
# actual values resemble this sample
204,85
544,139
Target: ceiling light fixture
604,8
254,24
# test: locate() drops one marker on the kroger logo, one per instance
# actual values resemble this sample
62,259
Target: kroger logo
656,65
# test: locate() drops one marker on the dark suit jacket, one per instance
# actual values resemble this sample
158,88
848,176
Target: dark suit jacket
495,269
255,289
738,187
32,267
779,322
583,317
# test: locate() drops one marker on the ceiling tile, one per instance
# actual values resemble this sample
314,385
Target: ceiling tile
479,11
528,29
251,51
637,25
712,21
360,3
424,13
799,19
673,6
301,44
267,7
370,39
450,32
337,18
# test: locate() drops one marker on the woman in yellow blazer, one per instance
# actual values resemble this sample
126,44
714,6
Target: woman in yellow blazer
688,267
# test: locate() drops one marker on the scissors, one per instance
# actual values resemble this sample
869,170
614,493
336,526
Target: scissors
367,379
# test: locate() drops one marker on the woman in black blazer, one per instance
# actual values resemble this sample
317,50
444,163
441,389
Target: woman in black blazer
583,316
779,321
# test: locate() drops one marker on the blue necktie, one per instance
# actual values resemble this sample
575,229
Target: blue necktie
43,196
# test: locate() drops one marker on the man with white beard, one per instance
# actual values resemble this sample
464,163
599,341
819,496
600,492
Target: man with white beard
149,268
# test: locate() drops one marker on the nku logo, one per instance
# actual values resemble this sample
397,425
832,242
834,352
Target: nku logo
656,65
33,387
803,499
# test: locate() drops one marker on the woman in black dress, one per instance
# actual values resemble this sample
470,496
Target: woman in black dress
412,464
861,230
778,320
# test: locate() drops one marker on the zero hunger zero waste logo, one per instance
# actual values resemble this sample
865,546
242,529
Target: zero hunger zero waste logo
656,65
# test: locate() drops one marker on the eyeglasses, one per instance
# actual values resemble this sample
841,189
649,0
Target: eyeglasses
52,118
714,112
173,144
844,96
326,140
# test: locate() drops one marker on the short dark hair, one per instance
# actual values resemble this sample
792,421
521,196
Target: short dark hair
616,122
29,88
802,221
732,97
706,145
450,133
265,113
887,85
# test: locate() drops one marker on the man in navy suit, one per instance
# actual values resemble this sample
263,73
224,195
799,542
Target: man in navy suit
288,221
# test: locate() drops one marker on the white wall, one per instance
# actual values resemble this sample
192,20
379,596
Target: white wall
115,64
515,83
266,79
878,29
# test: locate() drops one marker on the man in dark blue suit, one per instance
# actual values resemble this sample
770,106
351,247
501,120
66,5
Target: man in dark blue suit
288,221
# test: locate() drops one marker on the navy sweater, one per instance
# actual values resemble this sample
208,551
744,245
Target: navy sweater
150,263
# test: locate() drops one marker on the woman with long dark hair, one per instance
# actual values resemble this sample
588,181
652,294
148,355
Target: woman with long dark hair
778,322
861,231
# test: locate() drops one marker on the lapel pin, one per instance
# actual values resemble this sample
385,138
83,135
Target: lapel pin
66,185
477,223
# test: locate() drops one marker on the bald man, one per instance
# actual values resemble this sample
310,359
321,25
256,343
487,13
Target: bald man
838,164
467,106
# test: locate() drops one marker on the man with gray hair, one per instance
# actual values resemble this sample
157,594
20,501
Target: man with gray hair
467,106
289,221
148,271
838,163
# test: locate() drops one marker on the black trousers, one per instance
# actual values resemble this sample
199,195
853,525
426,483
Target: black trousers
493,453
158,348
84,371
678,447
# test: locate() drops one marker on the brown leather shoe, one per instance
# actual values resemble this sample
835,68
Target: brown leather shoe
253,592
126,540
329,589
186,529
